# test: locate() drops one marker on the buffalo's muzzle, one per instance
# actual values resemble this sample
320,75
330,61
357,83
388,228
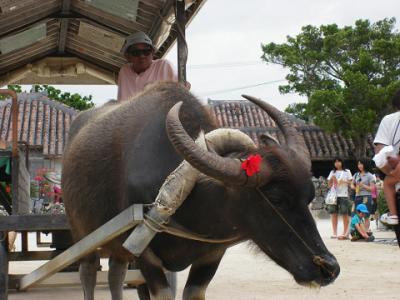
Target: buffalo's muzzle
330,268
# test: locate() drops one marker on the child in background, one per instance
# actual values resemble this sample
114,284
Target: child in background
357,225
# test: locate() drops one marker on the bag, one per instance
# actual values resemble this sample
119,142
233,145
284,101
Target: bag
331,197
374,193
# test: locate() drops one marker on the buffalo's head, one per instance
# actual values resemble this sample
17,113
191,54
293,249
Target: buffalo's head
272,203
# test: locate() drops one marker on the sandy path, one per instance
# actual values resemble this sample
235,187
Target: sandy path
368,271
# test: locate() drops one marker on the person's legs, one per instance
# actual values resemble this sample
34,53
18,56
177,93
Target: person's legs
367,223
333,210
344,210
346,222
334,220
389,190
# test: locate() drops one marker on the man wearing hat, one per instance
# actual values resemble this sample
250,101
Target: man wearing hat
357,227
141,69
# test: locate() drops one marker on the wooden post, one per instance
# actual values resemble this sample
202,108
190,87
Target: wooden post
3,265
24,241
14,119
182,46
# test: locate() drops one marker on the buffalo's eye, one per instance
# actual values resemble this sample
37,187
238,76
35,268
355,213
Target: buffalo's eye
277,197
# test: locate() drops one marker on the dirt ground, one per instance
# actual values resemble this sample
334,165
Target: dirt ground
368,271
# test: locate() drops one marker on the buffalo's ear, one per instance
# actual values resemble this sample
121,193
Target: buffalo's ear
268,140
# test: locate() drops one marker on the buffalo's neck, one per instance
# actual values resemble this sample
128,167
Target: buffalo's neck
206,212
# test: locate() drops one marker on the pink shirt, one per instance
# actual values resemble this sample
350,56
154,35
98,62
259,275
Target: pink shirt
130,83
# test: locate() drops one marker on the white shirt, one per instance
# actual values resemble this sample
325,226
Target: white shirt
389,131
342,189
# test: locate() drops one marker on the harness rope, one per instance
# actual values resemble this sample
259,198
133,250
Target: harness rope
184,233
318,260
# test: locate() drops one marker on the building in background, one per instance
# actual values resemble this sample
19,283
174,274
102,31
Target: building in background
42,128
44,125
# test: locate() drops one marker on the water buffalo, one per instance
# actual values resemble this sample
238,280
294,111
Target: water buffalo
121,153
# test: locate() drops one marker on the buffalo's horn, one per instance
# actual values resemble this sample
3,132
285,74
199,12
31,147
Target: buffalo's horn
181,181
293,140
227,170
226,140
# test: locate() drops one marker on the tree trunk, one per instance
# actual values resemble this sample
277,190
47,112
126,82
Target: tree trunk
360,146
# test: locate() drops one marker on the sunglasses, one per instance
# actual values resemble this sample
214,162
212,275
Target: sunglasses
139,52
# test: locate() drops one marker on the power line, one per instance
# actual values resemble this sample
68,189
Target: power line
216,92
225,65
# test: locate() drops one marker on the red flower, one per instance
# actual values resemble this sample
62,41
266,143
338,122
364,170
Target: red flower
252,164
38,178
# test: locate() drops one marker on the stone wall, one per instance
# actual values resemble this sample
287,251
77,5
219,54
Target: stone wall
317,206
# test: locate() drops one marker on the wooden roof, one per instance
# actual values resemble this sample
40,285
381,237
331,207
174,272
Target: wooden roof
253,121
78,41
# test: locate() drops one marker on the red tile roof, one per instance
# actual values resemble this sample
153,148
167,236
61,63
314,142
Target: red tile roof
252,120
41,122
44,122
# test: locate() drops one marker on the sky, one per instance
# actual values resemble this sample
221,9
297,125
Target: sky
225,40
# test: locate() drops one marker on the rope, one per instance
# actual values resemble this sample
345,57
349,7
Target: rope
184,233
318,260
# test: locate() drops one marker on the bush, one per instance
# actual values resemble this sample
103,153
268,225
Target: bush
382,205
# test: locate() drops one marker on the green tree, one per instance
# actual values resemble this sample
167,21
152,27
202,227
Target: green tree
348,75
72,100
16,88
299,110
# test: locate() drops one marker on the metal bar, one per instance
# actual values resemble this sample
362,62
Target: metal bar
142,235
105,233
14,118
182,46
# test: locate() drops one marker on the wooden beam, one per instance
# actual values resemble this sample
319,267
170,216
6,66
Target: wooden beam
66,4
33,255
105,233
3,265
45,255
182,46
133,277
33,222
63,26
63,35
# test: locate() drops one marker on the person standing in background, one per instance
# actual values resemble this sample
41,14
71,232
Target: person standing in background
364,183
340,178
